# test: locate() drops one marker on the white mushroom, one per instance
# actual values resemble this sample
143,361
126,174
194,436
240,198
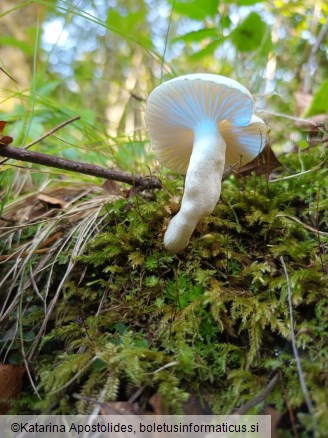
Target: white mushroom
199,124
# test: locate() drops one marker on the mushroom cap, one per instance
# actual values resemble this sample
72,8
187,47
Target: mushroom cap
177,106
248,141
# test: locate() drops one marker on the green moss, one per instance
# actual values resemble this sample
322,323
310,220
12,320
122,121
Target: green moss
212,321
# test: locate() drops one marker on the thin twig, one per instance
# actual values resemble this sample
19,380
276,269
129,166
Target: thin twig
134,397
285,116
295,175
7,74
138,98
307,227
89,399
76,376
262,395
295,351
23,347
168,365
52,131
289,407
74,166
47,134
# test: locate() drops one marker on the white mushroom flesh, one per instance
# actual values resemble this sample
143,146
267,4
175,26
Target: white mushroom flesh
202,185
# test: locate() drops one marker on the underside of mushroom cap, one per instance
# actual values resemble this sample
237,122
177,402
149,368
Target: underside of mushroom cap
177,106
248,141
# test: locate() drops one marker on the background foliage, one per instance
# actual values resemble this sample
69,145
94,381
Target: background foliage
91,303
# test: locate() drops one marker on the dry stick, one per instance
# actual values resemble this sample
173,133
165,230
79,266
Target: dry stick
289,406
76,376
52,131
295,351
47,134
262,395
307,227
296,175
74,166
89,400
7,74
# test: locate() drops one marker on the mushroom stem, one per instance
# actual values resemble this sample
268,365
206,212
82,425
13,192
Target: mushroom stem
202,185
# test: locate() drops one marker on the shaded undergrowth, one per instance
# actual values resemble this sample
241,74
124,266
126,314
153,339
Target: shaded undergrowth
212,322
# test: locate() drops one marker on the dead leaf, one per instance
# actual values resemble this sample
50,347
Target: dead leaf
275,418
195,406
42,250
10,385
51,201
111,187
5,140
263,164
53,238
156,403
31,207
174,205
22,255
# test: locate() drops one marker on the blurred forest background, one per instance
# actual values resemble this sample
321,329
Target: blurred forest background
128,321
100,59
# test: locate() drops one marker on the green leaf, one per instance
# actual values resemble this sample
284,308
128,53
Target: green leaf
197,35
13,42
47,88
248,2
131,25
319,104
225,22
196,9
251,34
207,51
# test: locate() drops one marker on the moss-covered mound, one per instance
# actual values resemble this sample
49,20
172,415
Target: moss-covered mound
213,322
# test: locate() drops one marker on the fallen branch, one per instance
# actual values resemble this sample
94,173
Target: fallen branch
84,168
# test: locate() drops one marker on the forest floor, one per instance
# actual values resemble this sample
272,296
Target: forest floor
95,311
